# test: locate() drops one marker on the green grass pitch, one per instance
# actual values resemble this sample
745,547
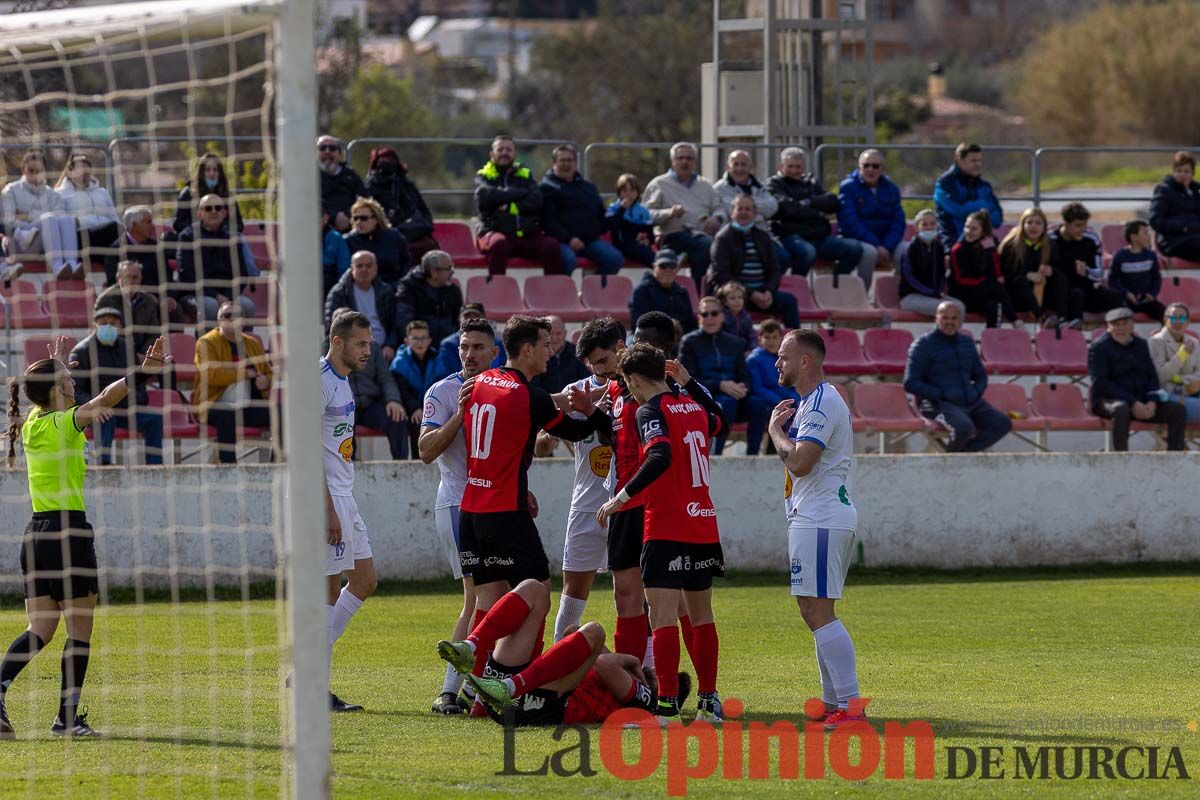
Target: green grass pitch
1104,657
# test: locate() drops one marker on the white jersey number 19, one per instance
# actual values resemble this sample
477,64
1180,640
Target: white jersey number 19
483,425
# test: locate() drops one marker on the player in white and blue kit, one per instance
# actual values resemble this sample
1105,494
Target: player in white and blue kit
815,440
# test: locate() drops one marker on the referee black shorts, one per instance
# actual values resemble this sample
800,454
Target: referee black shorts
501,546
58,556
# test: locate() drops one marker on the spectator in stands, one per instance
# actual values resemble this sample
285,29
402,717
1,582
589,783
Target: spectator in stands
1125,383
764,377
1025,262
378,404
361,289
509,202
233,379
210,263
745,253
428,293
1077,259
960,191
340,184
802,224
563,367
659,291
1134,271
718,360
104,356
975,274
739,180
630,222
142,310
946,375
1175,210
373,233
1173,351
89,203
388,183
36,223
335,253
732,297
869,209
685,209
923,270
138,243
415,369
208,178
448,359
573,214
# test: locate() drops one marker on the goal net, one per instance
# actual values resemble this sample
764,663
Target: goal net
177,135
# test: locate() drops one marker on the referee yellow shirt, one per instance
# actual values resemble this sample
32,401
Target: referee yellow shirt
54,447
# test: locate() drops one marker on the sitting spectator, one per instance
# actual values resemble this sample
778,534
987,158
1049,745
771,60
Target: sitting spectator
142,310
745,253
563,367
685,209
1175,210
732,297
739,179
630,223
378,404
428,293
233,380
1125,384
718,360
869,209
946,375
89,203
975,274
1134,271
415,370
449,360
923,270
659,291
335,254
35,222
388,183
509,203
960,191
1173,351
208,178
1025,262
101,357
362,290
138,244
340,184
802,224
1078,263
372,232
764,377
573,213
210,264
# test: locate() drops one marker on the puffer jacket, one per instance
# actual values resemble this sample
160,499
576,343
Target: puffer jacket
92,206
1175,212
22,205
874,216
509,201
945,368
803,206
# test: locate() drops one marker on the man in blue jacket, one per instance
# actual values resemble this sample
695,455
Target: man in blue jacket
659,291
869,208
960,190
573,213
415,370
947,377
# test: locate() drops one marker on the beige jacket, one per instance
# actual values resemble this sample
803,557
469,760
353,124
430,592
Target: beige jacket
699,200
1165,353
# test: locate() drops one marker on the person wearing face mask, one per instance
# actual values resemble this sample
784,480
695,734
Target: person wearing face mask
233,381
141,309
35,221
744,252
103,356
923,269
388,183
89,202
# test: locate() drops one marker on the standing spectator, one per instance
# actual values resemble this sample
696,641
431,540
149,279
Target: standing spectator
1175,210
1125,384
89,203
1077,260
372,232
802,224
361,289
449,360
35,221
659,291
141,310
923,270
630,222
210,263
718,361
509,202
961,190
563,367
335,254
946,375
208,178
764,377
1173,351
745,253
739,180
1025,262
103,356
340,184
415,370
1135,273
869,209
138,244
732,297
685,209
378,404
388,183
573,213
428,293
975,273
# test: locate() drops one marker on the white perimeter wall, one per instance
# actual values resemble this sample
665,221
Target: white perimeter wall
207,523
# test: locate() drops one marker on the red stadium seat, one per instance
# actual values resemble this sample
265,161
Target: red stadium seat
856,424
1009,399
37,347
182,349
797,286
26,307
1008,351
608,300
845,301
1064,351
555,294
843,353
1180,289
263,291
1112,238
70,303
178,422
687,283
1062,406
887,297
501,297
455,238
887,349
884,407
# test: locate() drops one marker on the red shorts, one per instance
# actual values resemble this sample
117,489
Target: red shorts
591,702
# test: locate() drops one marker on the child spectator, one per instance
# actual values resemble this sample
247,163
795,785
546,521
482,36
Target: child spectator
764,377
629,221
737,319
1135,273
975,275
1025,261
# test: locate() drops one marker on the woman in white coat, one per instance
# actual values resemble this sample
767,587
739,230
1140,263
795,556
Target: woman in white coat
35,220
89,203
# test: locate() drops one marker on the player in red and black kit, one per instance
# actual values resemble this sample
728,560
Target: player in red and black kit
681,545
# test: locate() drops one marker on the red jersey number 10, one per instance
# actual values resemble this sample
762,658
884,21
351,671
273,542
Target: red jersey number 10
695,442
483,425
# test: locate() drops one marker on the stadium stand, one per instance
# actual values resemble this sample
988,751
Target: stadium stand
555,294
1008,351
500,295
607,296
887,349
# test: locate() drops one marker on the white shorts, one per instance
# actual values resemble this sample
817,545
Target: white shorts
820,560
586,547
446,520
355,546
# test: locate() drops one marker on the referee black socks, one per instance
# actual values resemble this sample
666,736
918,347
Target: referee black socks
74,670
20,653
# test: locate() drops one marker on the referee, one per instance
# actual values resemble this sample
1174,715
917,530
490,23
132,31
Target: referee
58,552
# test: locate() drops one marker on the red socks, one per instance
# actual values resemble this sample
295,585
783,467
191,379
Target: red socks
666,660
688,632
630,636
568,655
539,644
704,651
499,621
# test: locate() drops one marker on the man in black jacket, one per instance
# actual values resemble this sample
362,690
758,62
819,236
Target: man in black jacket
1175,210
659,291
340,185
377,403
509,203
388,182
210,262
744,252
801,223
574,215
563,367
1125,384
362,290
428,293
1077,264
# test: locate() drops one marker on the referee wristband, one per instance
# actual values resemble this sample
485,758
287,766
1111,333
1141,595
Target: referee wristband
623,496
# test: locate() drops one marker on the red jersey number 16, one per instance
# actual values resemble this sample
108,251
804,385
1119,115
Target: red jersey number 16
483,425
